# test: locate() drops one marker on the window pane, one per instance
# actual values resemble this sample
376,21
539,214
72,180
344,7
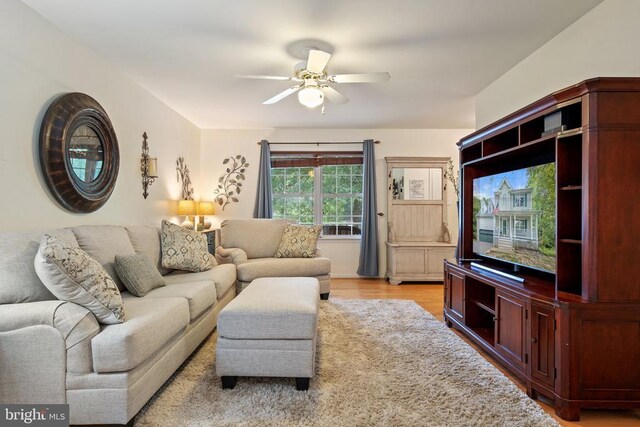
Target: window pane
306,184
343,205
277,171
357,170
278,207
357,205
328,183
328,170
292,181
329,206
357,184
344,184
277,184
344,170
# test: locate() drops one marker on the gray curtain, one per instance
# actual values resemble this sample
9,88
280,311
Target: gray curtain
264,204
368,265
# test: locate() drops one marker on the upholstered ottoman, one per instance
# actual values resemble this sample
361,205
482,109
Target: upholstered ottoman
269,330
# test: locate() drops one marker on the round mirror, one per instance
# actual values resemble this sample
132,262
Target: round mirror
79,152
86,154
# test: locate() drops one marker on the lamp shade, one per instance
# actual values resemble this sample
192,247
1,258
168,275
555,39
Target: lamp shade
186,207
206,208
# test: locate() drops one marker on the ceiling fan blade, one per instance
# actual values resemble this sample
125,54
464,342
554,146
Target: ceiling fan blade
260,77
360,78
317,61
333,95
282,95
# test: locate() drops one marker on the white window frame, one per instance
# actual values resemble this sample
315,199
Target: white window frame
318,197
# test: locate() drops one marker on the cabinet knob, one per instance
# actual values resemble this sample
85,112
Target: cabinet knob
534,340
495,319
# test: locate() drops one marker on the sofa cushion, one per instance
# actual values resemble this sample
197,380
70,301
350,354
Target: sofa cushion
259,238
103,243
273,308
138,274
199,295
224,277
145,239
184,249
299,241
18,279
283,267
72,275
151,324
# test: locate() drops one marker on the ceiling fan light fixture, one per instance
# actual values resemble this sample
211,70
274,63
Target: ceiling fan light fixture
311,96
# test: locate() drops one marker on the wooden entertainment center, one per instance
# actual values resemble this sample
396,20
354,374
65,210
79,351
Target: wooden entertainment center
573,336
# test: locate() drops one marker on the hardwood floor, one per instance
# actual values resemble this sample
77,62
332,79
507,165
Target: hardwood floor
430,297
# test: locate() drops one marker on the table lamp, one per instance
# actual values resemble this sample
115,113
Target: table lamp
204,209
187,208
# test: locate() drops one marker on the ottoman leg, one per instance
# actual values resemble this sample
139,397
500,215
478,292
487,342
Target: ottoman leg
324,296
229,382
302,383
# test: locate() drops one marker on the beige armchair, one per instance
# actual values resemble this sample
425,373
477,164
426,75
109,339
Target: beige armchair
251,245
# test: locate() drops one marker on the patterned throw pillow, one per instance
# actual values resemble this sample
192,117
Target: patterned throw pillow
299,241
72,275
184,249
138,274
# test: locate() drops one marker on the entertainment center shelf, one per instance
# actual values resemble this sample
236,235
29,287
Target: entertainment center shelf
569,330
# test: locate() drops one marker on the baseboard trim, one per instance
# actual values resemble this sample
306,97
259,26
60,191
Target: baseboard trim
353,276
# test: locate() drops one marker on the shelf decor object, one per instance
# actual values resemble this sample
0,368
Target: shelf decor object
561,314
188,209
79,154
148,167
183,175
230,184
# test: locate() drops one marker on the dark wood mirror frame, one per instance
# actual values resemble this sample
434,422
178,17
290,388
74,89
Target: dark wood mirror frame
66,114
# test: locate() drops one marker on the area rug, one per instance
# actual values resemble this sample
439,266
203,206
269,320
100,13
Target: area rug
379,363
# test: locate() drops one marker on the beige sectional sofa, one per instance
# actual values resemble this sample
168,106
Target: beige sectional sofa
251,245
56,352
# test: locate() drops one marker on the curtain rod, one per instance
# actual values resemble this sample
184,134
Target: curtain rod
318,143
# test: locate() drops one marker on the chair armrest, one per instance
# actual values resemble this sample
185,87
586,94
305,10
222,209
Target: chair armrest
237,255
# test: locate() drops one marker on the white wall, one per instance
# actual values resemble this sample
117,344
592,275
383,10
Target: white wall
603,43
37,64
218,144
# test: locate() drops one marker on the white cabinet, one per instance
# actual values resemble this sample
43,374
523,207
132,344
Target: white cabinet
418,238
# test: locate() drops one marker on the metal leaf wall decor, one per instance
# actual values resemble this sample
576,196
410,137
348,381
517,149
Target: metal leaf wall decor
182,174
230,184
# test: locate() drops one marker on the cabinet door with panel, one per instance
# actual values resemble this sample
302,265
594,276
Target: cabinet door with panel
542,343
455,296
511,328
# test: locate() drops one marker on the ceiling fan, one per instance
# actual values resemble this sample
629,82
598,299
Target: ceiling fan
313,81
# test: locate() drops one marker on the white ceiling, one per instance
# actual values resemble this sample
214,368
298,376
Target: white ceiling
440,53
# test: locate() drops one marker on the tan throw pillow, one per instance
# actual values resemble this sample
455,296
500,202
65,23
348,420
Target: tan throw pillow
72,275
184,249
138,274
299,241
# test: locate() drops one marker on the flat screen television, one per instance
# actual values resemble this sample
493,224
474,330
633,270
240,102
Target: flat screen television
514,217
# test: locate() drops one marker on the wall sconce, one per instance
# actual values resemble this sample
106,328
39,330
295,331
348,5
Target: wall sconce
148,167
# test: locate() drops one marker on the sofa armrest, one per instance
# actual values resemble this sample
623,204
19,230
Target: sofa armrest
72,324
318,253
236,255
33,350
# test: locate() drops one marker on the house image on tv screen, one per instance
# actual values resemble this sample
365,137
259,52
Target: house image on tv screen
507,220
